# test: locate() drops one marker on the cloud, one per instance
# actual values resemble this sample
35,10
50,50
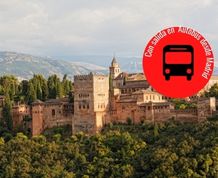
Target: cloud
53,27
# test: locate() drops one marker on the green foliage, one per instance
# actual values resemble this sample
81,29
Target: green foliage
40,88
6,113
63,132
54,87
213,91
31,94
9,86
183,104
156,130
178,150
129,121
67,86
36,88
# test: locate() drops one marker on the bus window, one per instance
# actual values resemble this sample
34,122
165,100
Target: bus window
178,60
174,58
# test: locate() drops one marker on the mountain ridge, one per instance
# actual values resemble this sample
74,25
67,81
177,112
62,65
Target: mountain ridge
24,66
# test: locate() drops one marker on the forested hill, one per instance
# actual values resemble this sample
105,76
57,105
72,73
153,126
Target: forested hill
160,150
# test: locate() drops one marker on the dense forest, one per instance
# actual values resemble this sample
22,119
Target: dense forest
161,150
38,87
168,149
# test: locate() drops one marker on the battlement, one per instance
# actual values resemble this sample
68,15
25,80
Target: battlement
82,77
89,76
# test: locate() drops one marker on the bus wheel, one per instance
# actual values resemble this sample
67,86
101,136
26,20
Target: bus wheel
189,77
167,77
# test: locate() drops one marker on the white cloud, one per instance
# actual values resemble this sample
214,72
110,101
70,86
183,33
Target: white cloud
70,27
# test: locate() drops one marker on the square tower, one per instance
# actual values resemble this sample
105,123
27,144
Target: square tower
91,98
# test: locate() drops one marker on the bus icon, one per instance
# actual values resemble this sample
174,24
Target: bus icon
178,60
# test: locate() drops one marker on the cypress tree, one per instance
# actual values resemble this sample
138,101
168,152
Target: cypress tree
31,95
6,113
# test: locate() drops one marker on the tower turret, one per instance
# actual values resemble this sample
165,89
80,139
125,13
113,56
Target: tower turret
37,117
114,69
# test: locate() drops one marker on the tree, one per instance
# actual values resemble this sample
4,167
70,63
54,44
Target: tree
31,94
6,113
23,87
9,86
156,130
54,87
40,87
66,85
213,91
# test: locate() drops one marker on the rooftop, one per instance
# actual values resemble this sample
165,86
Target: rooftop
131,76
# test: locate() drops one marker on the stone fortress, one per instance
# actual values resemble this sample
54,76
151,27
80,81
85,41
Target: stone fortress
101,99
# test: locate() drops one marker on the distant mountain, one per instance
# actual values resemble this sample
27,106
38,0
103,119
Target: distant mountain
24,66
134,64
131,64
127,64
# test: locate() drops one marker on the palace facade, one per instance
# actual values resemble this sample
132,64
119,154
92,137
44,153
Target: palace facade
101,99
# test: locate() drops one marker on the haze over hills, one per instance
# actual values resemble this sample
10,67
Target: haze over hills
127,63
24,66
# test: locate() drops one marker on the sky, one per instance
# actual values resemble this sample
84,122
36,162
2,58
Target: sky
59,28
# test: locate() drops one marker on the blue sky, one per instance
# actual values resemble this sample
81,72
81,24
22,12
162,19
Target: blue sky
96,27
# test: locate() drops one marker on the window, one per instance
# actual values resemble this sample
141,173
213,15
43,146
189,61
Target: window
83,95
53,112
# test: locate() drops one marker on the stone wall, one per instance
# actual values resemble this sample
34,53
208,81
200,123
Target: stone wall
50,114
185,115
206,107
54,115
18,113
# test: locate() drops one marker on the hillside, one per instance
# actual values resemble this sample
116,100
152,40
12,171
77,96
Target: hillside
162,150
24,66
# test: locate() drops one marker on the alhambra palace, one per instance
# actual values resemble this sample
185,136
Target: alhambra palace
102,99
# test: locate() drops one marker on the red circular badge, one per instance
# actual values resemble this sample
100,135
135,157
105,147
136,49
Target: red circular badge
178,62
